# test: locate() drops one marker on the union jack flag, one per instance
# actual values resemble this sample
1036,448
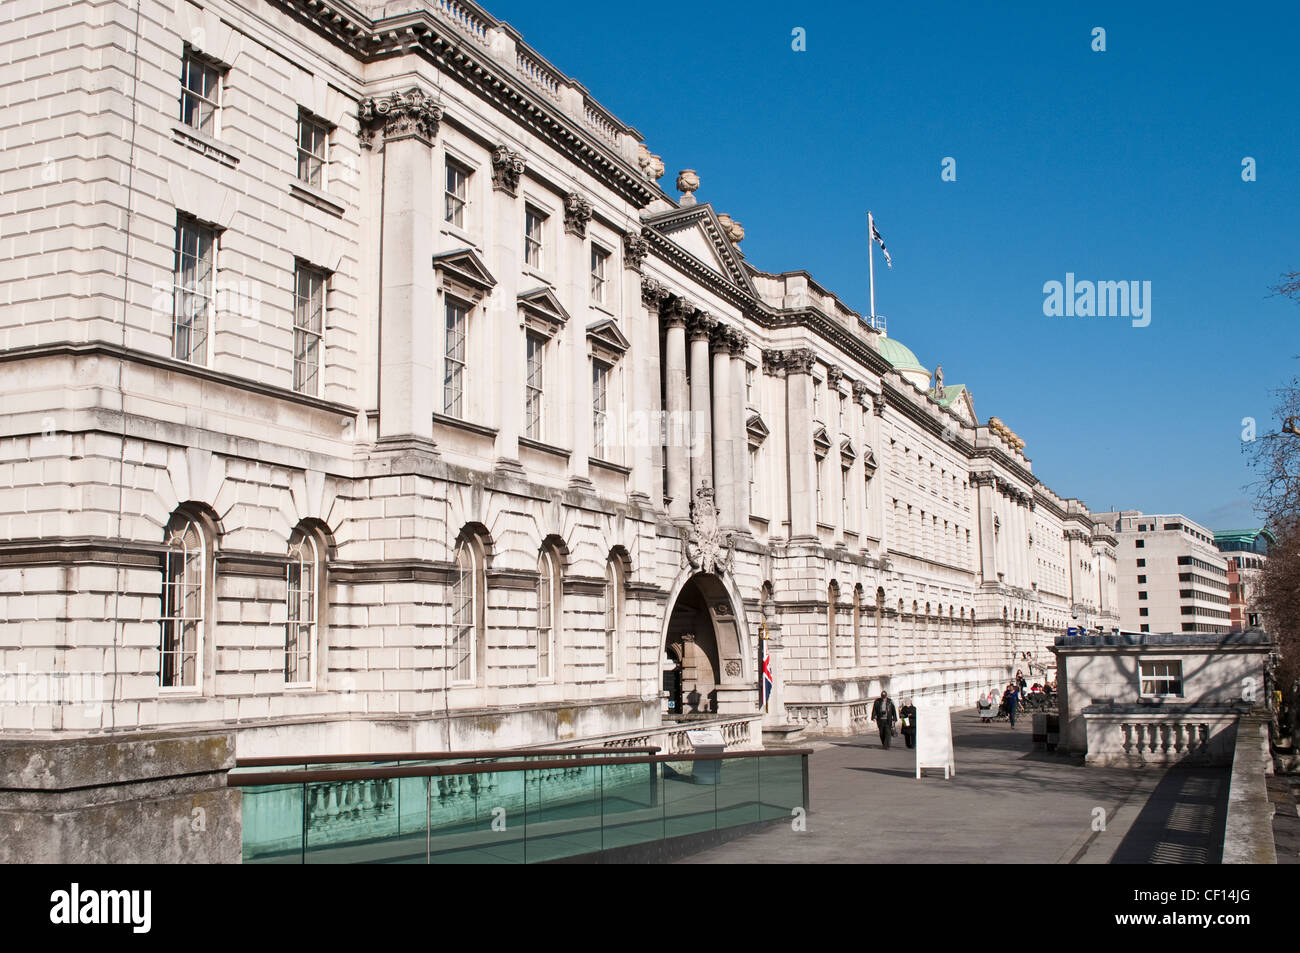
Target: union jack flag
767,674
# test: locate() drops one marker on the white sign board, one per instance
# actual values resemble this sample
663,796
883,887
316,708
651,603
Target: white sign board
706,738
934,738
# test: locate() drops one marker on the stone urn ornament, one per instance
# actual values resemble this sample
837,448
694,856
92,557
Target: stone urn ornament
687,183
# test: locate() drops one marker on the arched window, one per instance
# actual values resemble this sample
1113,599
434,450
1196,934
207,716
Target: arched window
464,613
306,584
548,612
184,600
613,613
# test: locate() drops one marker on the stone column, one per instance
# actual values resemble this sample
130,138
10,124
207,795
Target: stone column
724,477
508,361
737,344
644,417
881,500
574,265
700,329
797,367
407,124
986,496
678,423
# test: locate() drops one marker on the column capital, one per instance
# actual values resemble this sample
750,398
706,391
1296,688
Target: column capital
737,342
635,250
879,403
507,167
982,479
653,293
780,363
677,311
403,115
577,213
700,326
833,376
861,395
720,339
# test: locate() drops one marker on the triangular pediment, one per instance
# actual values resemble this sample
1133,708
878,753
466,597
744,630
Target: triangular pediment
757,430
869,459
466,266
542,305
606,334
821,440
696,230
847,450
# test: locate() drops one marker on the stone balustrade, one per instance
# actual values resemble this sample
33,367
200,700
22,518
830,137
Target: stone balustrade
1129,735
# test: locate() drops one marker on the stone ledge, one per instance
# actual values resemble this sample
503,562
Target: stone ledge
1248,831
67,765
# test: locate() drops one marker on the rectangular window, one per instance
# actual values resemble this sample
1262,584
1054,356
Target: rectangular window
753,479
536,349
817,400
534,223
1141,563
821,510
599,407
1141,580
749,383
1162,679
1145,628
308,327
1140,543
457,193
195,292
1141,594
313,137
599,274
1143,611
453,375
200,94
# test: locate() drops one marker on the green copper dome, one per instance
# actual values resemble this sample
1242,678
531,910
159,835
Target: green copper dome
899,355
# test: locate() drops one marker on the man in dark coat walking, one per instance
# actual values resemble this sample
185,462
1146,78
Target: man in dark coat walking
884,715
1013,702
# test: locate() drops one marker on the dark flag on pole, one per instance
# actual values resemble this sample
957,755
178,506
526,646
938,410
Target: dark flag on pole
875,234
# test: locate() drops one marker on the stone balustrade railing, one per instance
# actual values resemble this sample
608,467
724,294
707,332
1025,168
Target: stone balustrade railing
1129,735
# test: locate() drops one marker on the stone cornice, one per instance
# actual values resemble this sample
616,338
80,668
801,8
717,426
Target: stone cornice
462,48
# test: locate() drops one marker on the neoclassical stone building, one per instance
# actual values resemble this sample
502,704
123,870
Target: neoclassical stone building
363,389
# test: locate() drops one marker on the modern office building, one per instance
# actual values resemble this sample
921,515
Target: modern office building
1172,577
1246,552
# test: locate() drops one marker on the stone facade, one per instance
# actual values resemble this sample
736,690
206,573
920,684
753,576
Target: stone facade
385,401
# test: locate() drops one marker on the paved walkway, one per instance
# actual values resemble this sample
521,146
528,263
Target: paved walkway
1006,804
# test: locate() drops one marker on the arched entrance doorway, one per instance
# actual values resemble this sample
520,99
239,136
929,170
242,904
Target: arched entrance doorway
702,644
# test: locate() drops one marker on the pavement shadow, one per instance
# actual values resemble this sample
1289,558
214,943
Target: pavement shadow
893,772
1182,821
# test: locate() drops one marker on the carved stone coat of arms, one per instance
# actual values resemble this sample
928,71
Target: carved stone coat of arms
707,548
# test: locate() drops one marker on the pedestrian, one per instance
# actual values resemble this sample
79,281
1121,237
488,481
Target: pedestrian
907,716
1013,701
884,715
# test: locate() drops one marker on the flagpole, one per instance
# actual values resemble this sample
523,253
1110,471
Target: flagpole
871,265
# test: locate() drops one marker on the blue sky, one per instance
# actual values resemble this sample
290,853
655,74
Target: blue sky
1116,165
